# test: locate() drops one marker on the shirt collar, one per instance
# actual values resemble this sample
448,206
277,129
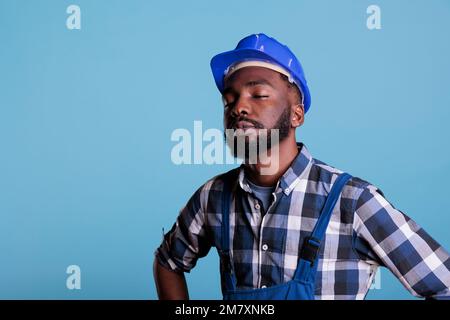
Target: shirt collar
291,177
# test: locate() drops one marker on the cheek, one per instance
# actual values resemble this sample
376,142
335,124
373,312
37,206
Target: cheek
276,105
226,118
273,115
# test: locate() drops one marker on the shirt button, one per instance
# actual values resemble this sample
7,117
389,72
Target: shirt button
265,247
257,206
287,190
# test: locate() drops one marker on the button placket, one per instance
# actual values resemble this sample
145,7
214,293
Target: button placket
263,247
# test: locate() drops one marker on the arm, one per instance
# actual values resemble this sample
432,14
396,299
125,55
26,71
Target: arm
170,285
414,257
180,249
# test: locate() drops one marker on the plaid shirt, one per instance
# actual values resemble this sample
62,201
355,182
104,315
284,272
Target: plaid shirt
365,232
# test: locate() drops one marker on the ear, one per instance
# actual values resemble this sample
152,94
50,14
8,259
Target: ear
298,115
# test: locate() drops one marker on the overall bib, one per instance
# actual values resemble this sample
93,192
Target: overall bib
302,286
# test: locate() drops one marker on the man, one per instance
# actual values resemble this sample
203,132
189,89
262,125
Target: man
306,230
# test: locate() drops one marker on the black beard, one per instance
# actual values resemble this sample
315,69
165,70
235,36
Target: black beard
283,125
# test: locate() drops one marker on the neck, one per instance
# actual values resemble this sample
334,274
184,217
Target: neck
287,152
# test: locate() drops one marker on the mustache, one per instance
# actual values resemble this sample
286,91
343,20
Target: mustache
232,124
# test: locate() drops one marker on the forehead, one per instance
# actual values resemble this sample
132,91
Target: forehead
253,74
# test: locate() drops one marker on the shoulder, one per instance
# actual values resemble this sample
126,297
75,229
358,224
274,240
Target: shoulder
211,190
216,183
326,174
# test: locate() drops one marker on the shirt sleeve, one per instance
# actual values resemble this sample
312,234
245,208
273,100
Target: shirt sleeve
413,256
187,241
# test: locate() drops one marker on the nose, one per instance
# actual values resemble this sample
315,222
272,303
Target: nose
241,107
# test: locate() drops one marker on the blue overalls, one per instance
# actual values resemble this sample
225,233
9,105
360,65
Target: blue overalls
302,286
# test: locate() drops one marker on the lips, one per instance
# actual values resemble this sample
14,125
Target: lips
244,125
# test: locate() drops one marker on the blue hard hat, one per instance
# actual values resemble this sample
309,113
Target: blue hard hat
263,48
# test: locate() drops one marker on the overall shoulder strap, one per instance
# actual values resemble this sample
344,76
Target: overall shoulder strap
311,245
228,178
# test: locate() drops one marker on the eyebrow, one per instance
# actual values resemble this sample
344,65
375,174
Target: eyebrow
251,83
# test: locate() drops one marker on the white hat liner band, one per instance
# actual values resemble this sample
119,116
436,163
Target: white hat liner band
257,63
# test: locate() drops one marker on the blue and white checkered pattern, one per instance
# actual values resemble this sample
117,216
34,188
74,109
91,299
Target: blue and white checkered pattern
365,232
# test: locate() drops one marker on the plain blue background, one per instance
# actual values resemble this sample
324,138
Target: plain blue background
86,118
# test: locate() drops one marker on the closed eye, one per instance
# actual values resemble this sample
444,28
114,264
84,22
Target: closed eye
226,105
